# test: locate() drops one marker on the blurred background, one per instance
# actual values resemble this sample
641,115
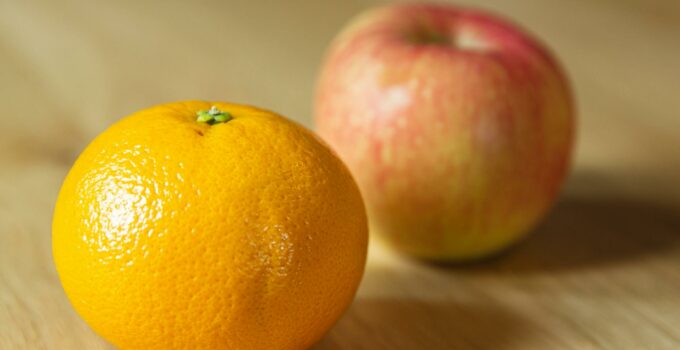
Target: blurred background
602,272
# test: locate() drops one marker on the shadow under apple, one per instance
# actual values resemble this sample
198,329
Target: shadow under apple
591,225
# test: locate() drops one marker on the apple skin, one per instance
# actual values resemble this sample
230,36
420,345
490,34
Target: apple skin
457,125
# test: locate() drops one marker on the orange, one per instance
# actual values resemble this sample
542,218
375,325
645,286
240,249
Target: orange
240,230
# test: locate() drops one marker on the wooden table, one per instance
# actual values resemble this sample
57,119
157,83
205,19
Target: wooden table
602,272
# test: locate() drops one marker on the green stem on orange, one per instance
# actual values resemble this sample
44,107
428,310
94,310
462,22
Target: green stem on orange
213,116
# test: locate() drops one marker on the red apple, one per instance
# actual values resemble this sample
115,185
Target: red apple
457,125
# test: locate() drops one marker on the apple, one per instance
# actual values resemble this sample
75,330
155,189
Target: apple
457,124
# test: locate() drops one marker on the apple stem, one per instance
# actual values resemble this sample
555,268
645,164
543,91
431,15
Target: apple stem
213,116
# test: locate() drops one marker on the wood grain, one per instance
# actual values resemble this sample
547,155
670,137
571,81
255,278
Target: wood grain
602,271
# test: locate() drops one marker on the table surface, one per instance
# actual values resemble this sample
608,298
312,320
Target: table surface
601,272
